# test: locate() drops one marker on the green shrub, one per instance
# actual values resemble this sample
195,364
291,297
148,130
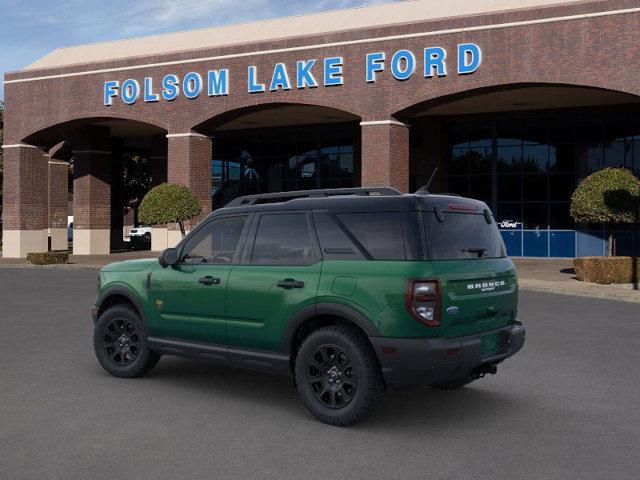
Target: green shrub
606,270
48,258
169,203
611,195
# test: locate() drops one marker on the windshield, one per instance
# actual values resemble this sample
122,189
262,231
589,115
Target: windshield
461,236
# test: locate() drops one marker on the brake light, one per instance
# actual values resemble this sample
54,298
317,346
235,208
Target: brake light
423,301
459,207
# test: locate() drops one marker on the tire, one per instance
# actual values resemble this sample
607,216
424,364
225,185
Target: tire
337,375
120,343
454,383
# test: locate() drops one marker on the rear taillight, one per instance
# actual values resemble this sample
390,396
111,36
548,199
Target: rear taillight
423,301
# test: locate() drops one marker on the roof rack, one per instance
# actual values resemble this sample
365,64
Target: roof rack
286,196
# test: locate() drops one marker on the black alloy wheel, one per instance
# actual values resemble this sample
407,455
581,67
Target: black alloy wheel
332,376
338,375
121,341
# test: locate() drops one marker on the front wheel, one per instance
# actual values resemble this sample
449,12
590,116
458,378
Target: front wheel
337,375
120,343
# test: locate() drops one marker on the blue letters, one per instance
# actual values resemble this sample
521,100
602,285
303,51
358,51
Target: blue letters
170,86
304,77
400,71
130,91
434,57
254,87
280,78
375,63
469,58
192,85
218,82
402,65
149,96
110,91
333,71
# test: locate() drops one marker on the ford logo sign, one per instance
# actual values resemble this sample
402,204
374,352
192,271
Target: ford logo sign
452,310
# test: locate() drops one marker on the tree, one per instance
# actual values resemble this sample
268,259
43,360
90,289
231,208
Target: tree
169,203
136,181
611,195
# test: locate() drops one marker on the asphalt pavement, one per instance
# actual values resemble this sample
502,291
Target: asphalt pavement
566,407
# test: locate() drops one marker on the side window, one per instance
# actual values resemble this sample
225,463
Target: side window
379,233
334,242
282,239
216,242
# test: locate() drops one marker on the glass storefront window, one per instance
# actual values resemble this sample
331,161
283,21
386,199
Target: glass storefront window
619,154
535,158
510,158
535,187
480,159
509,188
535,215
269,160
459,161
539,158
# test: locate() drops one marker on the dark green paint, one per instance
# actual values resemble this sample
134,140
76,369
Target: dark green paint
248,309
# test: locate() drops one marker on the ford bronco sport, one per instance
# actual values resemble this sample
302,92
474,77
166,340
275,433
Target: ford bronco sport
349,291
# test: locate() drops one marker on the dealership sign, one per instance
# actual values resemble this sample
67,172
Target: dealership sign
308,73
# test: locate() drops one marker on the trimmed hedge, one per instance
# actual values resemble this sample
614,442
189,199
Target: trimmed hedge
168,203
606,270
48,258
611,195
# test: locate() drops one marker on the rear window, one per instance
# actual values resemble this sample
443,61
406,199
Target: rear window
379,233
461,236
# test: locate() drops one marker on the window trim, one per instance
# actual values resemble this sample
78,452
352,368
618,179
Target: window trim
368,255
247,253
356,243
207,223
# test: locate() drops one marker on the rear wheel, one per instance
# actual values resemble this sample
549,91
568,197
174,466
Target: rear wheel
120,343
337,375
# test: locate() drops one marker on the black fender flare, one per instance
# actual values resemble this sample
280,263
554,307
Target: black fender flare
122,291
326,308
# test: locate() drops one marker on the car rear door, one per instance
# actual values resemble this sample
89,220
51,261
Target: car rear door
278,276
478,282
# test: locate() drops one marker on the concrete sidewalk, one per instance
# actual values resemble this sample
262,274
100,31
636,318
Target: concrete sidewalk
83,261
535,274
556,275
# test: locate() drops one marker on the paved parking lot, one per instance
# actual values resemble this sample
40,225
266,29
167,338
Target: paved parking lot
566,407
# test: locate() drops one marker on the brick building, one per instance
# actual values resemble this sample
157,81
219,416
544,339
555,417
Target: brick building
513,101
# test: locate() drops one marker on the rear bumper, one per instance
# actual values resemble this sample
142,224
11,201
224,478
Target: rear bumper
416,362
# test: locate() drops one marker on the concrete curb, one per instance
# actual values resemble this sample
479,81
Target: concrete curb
605,293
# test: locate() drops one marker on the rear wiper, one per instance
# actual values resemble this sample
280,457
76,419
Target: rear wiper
479,250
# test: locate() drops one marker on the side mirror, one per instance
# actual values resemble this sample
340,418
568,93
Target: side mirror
168,257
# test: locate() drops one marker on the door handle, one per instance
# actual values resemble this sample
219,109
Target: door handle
209,280
290,283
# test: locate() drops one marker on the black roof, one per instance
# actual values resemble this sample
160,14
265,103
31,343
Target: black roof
348,200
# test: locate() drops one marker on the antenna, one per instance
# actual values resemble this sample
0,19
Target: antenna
424,190
433,175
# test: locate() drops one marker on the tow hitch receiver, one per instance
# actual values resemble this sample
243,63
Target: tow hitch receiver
483,370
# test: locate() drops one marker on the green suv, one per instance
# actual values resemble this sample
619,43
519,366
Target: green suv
348,291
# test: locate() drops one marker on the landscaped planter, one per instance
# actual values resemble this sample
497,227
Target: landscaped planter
48,258
606,270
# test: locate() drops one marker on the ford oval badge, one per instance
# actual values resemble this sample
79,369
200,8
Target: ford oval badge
452,310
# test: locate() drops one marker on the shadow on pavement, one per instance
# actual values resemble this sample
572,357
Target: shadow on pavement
475,404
